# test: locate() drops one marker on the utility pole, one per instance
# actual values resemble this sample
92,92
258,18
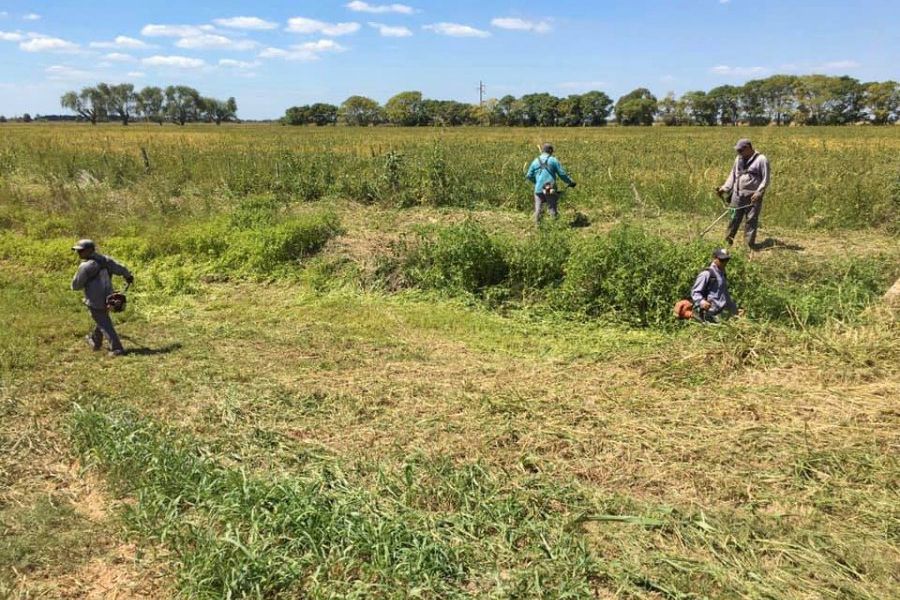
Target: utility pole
481,90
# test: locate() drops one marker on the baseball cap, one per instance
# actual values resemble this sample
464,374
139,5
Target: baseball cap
721,254
84,245
742,143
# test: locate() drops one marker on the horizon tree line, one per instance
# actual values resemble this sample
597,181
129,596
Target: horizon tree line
779,100
178,104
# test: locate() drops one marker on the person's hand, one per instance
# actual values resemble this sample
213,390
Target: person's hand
129,280
705,305
573,184
756,197
741,312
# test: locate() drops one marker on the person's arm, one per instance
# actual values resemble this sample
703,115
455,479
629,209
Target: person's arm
86,271
531,175
699,286
764,176
729,183
118,269
561,171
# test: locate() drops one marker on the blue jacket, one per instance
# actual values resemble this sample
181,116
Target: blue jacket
545,169
712,286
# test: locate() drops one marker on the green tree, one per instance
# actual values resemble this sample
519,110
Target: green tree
150,102
637,107
296,115
406,108
778,97
89,104
882,101
120,100
571,113
727,101
595,107
360,111
503,111
700,108
753,105
219,111
540,109
666,109
182,104
321,114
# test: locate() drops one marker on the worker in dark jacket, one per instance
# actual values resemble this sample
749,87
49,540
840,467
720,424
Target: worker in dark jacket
94,276
710,292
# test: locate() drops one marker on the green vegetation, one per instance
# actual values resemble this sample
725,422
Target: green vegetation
357,369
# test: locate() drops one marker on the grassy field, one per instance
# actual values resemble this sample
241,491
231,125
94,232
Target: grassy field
356,369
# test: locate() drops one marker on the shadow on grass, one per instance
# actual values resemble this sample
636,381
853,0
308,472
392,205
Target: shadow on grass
776,244
138,350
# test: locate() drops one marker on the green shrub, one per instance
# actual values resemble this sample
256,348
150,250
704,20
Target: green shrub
457,258
539,261
630,276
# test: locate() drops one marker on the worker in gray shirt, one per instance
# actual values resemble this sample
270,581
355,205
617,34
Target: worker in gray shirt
94,276
710,292
746,185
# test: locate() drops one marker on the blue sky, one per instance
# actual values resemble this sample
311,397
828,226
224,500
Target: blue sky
271,55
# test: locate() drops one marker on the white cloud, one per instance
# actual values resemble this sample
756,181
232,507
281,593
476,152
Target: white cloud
11,36
137,74
32,17
171,30
303,52
724,1
837,65
119,57
251,23
121,41
3,14
358,6
178,62
667,78
63,73
40,43
212,40
238,64
728,71
517,24
391,30
456,30
304,25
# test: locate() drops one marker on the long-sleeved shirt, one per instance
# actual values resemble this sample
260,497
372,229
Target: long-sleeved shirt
545,169
712,286
94,276
748,177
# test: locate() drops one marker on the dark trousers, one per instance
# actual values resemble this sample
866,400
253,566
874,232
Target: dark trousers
545,199
752,210
104,327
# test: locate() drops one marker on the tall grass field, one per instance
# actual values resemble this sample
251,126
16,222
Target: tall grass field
357,369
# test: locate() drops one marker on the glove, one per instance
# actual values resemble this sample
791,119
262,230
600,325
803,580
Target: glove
129,280
572,184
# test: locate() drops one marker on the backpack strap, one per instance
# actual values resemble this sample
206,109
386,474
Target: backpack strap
101,262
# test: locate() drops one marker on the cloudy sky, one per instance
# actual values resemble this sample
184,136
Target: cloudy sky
274,54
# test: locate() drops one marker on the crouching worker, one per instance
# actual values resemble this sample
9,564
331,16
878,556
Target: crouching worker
710,295
543,173
94,276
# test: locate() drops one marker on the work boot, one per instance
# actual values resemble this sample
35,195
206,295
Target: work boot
119,352
94,344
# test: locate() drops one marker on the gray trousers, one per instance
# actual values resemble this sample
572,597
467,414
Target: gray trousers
550,200
752,211
104,327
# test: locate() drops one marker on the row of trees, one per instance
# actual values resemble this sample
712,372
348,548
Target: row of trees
780,99
176,103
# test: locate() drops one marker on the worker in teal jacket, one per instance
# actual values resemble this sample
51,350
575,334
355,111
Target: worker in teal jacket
543,172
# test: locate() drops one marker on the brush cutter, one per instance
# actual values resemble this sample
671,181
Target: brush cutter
116,301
